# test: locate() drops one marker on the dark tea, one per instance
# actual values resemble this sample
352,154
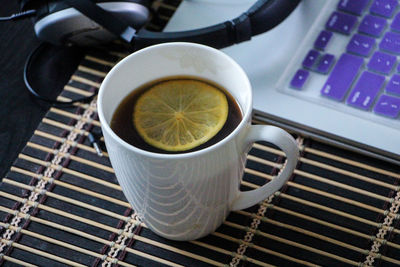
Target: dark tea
122,120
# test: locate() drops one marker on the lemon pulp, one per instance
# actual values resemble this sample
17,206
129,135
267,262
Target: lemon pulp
179,115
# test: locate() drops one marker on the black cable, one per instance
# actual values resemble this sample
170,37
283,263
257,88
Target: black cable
20,15
37,95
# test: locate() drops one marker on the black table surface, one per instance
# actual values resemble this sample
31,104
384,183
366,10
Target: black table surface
20,113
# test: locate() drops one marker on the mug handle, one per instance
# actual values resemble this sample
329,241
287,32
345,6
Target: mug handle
288,145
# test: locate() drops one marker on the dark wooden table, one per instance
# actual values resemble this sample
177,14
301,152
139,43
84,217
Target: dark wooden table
20,113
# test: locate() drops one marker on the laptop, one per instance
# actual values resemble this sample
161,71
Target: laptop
330,71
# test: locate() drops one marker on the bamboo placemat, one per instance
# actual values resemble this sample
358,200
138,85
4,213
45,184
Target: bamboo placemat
61,205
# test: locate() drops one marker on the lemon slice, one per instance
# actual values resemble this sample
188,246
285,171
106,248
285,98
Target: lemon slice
179,115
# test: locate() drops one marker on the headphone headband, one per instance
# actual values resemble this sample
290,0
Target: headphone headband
261,17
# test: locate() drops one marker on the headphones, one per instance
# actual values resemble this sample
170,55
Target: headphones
95,22
92,22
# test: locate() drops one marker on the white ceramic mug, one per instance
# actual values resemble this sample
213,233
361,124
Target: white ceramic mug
187,196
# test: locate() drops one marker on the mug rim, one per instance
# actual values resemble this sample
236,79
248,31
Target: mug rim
106,126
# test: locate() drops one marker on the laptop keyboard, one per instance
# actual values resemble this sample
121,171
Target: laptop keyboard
364,74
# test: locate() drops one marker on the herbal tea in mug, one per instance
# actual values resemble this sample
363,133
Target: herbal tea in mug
176,115
176,120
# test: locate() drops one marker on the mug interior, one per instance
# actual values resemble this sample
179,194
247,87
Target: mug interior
173,59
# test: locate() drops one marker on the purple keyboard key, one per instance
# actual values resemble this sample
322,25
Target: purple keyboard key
381,62
365,90
372,25
393,85
361,45
388,106
325,63
383,8
310,59
322,40
390,43
355,7
340,22
299,79
342,76
396,23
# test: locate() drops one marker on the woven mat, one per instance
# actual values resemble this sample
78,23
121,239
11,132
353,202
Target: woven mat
61,205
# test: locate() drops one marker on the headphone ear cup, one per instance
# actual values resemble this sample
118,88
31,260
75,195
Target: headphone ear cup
64,25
